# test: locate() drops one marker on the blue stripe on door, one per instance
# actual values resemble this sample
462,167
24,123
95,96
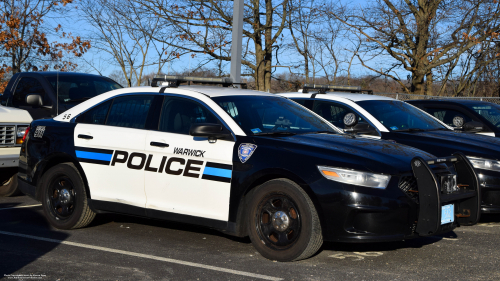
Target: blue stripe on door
217,172
93,155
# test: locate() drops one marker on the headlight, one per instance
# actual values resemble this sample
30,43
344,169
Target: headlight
486,164
355,177
20,134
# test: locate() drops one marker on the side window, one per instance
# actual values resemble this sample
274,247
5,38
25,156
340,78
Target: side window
130,111
96,115
300,101
447,115
178,114
334,113
231,109
26,86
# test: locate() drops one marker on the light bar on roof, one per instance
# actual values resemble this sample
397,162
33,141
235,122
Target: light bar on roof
174,80
332,87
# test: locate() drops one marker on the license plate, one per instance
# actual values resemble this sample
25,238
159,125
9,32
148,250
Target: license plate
447,214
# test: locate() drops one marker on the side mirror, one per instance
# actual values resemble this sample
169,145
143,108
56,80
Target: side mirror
473,126
34,100
352,126
210,130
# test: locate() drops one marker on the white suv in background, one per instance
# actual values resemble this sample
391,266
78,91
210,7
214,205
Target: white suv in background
13,124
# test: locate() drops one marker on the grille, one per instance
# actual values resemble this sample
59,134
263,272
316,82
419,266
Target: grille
408,184
7,135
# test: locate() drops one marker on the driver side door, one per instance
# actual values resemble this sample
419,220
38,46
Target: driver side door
187,175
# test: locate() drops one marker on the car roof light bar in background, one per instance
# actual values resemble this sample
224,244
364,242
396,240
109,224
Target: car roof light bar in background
323,88
174,81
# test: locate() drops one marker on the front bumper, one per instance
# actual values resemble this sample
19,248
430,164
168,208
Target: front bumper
360,214
490,190
9,157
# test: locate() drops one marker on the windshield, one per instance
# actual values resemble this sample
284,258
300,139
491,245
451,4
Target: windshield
490,112
400,116
77,88
271,115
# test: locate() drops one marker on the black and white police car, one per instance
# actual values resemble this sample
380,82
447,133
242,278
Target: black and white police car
244,162
386,118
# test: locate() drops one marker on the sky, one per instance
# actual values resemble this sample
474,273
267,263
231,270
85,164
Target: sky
95,61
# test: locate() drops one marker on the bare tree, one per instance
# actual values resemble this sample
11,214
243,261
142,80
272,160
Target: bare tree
304,21
422,35
196,23
121,31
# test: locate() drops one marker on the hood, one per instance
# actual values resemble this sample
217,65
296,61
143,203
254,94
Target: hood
343,151
446,142
14,115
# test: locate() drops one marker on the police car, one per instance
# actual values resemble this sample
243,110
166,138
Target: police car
244,162
464,114
386,118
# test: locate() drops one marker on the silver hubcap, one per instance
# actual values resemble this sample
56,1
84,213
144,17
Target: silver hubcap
280,221
65,196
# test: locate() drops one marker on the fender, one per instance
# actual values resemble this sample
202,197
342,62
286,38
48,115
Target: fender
238,213
50,161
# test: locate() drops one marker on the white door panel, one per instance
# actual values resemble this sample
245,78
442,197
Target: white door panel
109,179
191,176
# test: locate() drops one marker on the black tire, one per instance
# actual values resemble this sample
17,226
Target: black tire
276,239
64,198
8,187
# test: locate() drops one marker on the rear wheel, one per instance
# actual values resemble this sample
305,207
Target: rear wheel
282,221
64,198
8,184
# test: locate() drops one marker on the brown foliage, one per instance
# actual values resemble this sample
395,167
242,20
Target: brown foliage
23,39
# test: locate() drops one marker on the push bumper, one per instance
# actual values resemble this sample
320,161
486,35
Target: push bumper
433,196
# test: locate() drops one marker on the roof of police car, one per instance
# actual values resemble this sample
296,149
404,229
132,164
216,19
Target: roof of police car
207,91
350,96
213,91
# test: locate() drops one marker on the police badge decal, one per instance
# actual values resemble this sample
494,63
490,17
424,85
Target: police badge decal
245,151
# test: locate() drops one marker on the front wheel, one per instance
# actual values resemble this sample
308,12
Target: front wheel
282,221
64,198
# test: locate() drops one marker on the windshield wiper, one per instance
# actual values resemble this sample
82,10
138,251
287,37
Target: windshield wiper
275,133
321,132
410,130
78,100
440,129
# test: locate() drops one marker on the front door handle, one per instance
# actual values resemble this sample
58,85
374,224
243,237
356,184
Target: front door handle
159,144
87,137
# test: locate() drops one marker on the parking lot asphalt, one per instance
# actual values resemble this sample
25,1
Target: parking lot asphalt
118,247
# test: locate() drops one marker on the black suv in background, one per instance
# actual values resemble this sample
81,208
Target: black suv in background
469,110
47,94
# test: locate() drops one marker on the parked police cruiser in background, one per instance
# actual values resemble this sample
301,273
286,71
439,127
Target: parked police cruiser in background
241,161
464,114
390,119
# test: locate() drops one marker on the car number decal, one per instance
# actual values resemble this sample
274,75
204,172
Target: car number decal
39,131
